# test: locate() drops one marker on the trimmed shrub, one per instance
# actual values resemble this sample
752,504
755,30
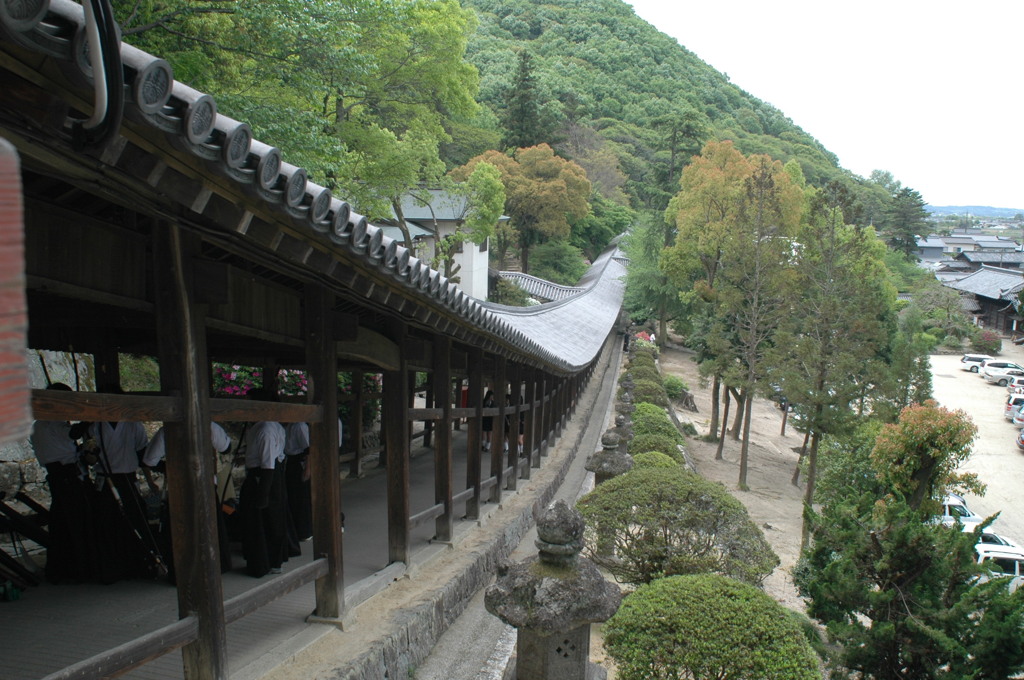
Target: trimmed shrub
656,522
651,392
707,626
642,359
644,372
653,459
674,386
646,443
651,419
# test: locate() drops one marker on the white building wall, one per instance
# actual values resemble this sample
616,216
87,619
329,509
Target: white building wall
473,274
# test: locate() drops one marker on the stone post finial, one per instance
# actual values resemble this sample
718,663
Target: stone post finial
552,599
611,461
560,535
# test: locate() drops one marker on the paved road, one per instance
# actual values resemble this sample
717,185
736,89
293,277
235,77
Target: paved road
995,457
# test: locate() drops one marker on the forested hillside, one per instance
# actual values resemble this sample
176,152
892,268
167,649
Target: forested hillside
606,78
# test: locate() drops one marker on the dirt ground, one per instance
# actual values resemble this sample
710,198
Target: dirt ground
773,502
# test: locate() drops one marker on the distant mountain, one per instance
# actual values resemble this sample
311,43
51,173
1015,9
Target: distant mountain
975,210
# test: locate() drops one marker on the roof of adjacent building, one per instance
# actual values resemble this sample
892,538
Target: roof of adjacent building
994,257
992,282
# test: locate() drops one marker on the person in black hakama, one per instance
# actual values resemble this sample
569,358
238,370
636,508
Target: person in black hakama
263,501
72,556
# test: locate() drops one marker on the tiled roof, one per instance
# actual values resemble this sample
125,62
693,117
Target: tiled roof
993,257
539,288
576,327
992,283
564,335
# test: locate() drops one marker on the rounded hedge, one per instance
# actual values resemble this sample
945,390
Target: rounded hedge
707,626
653,459
644,372
656,522
642,359
651,392
646,443
649,418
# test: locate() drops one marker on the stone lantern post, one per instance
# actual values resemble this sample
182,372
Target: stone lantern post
610,461
552,599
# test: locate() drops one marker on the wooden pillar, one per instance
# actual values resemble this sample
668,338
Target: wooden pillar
544,417
474,435
325,485
396,414
498,435
530,438
515,390
190,464
356,421
428,402
441,381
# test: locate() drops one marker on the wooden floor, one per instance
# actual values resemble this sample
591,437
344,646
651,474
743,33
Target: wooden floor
51,627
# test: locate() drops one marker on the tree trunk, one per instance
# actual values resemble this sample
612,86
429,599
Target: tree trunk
741,402
716,394
725,422
803,452
396,204
745,446
809,494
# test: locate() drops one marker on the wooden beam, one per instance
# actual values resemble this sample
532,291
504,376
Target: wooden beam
190,460
94,407
395,404
515,392
371,347
443,463
498,435
474,433
323,451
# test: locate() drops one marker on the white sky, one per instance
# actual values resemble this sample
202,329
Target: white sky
929,90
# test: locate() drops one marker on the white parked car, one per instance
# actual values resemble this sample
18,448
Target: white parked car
1004,561
1001,376
988,536
972,362
1018,419
1016,384
1014,400
954,509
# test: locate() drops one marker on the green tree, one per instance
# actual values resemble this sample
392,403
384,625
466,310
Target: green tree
898,592
707,626
655,522
835,325
363,114
544,193
649,292
757,278
522,119
559,261
705,212
906,219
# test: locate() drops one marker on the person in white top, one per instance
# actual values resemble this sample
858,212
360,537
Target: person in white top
120,446
263,506
71,556
154,458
